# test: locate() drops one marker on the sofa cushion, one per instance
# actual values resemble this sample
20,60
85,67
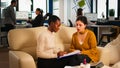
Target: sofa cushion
65,35
105,66
24,39
103,57
114,53
117,65
115,41
114,48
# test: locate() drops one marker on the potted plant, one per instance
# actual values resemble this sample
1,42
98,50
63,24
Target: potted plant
111,14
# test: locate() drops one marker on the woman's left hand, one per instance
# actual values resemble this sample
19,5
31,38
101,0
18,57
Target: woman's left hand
61,53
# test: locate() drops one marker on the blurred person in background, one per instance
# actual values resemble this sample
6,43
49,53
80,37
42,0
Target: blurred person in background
10,16
38,21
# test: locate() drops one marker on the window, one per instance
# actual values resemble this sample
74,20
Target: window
87,7
36,4
25,5
40,4
94,6
113,5
4,3
56,7
101,8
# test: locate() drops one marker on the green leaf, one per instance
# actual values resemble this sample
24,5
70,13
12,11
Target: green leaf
81,3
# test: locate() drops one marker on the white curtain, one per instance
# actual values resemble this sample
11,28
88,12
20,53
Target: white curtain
88,3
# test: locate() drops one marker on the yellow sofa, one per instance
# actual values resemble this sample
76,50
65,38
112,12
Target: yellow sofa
22,43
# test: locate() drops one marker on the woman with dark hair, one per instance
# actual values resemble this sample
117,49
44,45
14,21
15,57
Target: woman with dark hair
85,41
38,21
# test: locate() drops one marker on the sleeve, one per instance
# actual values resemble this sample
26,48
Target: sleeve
72,48
93,51
12,14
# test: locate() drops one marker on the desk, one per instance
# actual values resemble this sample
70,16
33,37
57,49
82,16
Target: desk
98,32
23,25
115,22
110,22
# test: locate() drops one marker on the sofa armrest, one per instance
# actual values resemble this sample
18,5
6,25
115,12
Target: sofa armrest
100,49
104,54
19,59
103,57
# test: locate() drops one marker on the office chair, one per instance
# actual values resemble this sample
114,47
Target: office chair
109,34
71,24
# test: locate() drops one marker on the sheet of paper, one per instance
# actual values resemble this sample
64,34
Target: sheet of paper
71,53
72,67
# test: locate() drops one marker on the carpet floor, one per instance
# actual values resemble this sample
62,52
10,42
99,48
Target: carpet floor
4,59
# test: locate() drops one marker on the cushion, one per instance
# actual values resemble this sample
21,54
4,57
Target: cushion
114,48
106,66
115,41
24,39
117,65
114,53
67,36
103,58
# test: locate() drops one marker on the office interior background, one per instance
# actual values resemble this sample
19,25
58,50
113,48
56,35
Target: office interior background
65,9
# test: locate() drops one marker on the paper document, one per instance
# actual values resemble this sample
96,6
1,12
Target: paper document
71,53
72,67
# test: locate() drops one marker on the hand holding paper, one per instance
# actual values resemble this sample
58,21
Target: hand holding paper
61,53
